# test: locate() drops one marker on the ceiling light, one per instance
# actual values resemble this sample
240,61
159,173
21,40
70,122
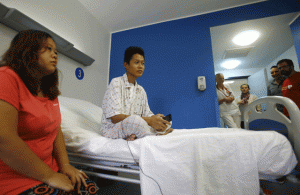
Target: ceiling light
246,37
230,64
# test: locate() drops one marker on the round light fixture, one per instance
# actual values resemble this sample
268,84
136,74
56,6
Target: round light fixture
231,64
246,37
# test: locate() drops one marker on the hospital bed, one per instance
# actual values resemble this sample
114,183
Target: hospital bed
187,161
271,118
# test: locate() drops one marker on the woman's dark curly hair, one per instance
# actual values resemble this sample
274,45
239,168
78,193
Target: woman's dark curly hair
22,57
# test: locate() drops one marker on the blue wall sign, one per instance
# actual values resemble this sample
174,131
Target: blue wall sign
79,73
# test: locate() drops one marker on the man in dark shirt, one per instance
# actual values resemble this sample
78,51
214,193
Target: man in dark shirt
274,88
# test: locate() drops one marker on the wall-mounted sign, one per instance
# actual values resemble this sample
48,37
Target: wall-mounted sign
79,73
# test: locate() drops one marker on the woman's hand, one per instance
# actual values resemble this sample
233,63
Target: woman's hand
76,176
158,123
60,181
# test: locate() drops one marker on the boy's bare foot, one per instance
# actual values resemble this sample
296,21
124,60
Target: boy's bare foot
131,137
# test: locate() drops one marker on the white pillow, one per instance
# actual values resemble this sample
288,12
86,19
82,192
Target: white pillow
80,113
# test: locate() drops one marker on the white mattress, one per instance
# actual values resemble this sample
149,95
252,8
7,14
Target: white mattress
194,161
199,161
96,145
273,151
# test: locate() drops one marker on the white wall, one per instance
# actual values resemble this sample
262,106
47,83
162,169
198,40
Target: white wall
258,83
70,20
288,54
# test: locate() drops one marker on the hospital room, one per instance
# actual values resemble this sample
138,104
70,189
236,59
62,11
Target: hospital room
185,44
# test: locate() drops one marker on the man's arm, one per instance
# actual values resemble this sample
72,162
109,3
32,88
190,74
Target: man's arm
229,99
118,118
155,121
221,101
112,102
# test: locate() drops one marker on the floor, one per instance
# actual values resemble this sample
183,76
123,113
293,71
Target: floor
109,187
291,186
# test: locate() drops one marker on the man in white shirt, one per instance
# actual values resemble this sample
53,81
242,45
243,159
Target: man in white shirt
229,110
126,113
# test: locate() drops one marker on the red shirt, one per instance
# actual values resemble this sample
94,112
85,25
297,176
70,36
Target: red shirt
38,124
291,88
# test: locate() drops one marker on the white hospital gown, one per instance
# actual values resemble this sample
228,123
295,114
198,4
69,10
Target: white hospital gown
122,97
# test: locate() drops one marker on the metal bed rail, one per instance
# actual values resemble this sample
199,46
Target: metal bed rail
95,166
124,169
112,177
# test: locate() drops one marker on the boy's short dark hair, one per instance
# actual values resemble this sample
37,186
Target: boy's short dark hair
130,51
288,61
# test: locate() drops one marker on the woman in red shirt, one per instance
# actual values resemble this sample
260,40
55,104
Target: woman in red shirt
33,156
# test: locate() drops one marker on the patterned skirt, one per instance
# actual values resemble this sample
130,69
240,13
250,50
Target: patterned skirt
44,189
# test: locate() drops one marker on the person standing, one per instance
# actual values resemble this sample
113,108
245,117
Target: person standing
291,85
229,110
33,156
244,100
275,86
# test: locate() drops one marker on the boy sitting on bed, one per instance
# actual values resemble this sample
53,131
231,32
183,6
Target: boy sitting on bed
126,113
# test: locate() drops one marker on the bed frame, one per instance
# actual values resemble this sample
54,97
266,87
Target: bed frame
107,168
119,170
269,111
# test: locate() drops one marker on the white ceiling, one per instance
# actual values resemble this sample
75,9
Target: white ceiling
274,40
119,15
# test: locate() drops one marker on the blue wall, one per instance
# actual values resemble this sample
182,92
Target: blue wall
176,53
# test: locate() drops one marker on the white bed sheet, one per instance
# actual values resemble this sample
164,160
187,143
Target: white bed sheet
213,161
194,161
198,161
